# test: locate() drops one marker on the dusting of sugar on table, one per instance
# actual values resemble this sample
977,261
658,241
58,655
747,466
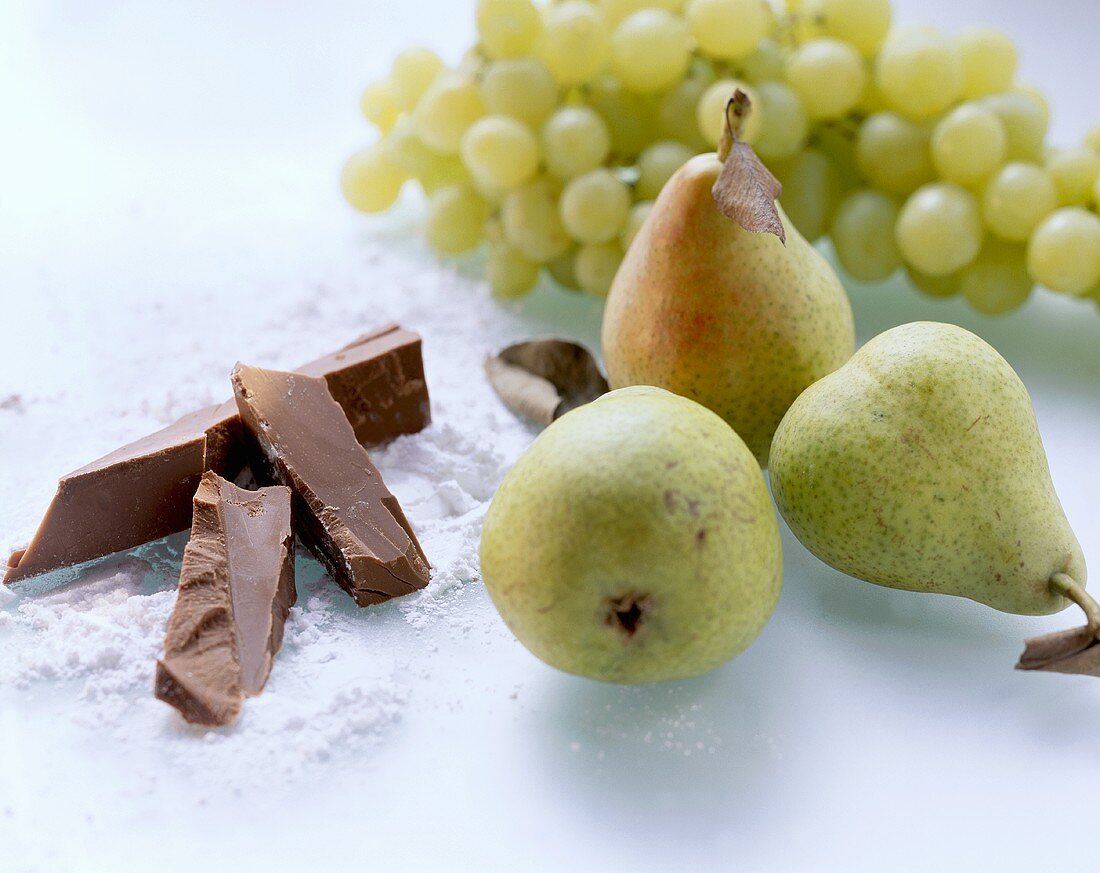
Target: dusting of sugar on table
330,695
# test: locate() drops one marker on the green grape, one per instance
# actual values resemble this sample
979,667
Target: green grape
649,51
801,22
1037,97
656,166
893,153
783,122
997,281
710,115
1075,173
573,44
1092,138
872,100
863,235
939,229
379,106
444,171
631,118
561,269
522,88
969,144
728,29
920,72
412,72
449,106
456,219
1026,122
828,76
596,265
615,11
1017,199
430,168
575,140
988,60
507,28
529,216
473,64
500,152
1064,252
639,212
767,63
510,274
370,181
407,150
676,113
938,287
811,189
863,23
838,143
594,207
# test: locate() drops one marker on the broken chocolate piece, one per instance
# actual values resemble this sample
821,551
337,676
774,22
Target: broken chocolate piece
343,510
143,491
378,381
138,493
236,589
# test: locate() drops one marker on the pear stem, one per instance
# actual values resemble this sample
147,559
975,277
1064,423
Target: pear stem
1071,589
737,109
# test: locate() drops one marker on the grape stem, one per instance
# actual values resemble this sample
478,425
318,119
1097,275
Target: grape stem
1069,588
737,110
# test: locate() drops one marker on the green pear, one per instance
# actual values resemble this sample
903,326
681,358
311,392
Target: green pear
634,541
733,319
918,465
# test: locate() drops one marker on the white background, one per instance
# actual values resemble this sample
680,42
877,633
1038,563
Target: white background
153,151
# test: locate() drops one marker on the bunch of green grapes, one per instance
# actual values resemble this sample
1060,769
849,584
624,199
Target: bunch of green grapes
909,148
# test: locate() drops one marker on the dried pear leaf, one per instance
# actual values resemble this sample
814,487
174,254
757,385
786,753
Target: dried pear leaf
543,379
531,396
746,192
1072,651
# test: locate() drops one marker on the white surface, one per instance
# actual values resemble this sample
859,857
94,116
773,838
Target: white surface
167,204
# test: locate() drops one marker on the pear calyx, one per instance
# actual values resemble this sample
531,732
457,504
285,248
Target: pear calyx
746,190
627,613
1072,651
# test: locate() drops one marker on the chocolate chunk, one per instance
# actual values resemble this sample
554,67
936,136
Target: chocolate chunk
236,588
343,510
143,491
138,493
378,380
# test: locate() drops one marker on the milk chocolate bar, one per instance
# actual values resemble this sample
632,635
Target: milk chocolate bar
343,511
378,381
143,491
236,588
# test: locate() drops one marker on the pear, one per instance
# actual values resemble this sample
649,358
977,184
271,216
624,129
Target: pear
732,318
918,465
634,541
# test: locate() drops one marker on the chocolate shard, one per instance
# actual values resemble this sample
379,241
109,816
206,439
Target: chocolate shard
378,380
343,510
235,591
138,493
143,491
